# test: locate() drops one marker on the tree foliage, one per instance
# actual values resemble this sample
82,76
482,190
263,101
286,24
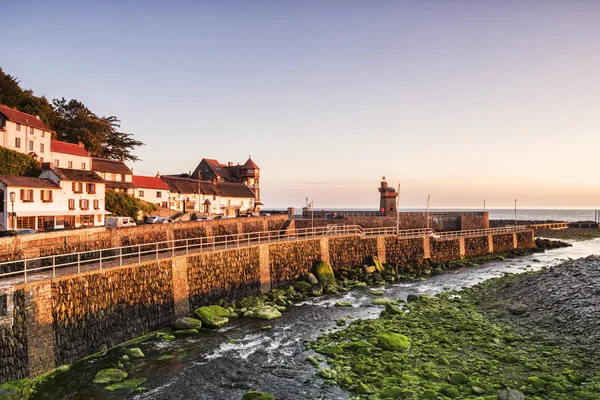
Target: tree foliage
17,164
123,205
72,121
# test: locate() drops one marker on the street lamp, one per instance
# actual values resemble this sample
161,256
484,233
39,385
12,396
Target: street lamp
12,200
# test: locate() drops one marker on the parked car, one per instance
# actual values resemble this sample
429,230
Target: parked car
119,222
17,232
162,220
266,215
203,218
218,217
153,219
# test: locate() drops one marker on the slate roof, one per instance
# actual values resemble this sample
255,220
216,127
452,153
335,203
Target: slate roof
67,148
23,118
28,182
111,166
149,182
189,186
119,185
77,175
227,189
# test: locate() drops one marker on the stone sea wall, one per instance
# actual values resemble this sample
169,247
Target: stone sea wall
108,307
290,261
223,274
525,240
57,321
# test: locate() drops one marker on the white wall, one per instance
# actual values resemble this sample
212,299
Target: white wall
38,137
63,161
151,195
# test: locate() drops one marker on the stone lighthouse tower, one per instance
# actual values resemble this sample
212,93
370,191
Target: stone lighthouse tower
387,203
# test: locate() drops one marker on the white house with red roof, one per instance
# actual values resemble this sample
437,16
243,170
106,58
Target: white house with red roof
151,189
25,133
69,155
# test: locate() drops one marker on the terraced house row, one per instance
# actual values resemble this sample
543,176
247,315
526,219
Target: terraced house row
70,191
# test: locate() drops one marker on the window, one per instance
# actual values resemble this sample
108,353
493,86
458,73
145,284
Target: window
97,206
31,145
43,133
19,127
214,197
27,195
69,221
31,130
18,143
158,194
71,205
113,177
87,220
84,204
82,165
70,164
46,223
250,171
25,222
41,147
91,188
47,196
56,163
77,187
123,178
141,194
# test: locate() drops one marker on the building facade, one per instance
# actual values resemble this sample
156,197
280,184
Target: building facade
69,155
117,175
151,189
25,133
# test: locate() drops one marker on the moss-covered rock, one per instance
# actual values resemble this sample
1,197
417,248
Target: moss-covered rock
324,273
343,304
128,384
254,395
393,341
212,316
186,323
134,352
302,287
185,332
110,375
267,312
381,301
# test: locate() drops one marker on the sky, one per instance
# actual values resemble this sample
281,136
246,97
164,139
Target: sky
464,100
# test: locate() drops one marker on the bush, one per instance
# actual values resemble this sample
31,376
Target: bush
123,205
17,164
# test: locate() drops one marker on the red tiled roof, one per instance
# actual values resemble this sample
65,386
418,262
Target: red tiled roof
250,164
149,182
67,148
22,118
214,162
24,181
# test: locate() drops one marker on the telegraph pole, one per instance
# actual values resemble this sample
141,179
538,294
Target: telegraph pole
398,211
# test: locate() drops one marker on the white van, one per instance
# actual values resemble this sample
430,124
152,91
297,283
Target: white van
119,222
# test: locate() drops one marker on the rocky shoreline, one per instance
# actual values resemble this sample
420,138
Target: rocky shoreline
532,335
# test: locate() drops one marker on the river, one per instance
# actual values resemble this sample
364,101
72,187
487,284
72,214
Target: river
241,356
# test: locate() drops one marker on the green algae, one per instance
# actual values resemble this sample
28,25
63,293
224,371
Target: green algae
443,347
324,273
128,384
254,395
110,375
213,316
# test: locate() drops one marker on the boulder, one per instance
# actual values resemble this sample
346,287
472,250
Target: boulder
510,394
517,308
212,316
324,273
110,375
134,352
381,301
393,310
412,297
303,287
267,312
186,323
393,341
311,278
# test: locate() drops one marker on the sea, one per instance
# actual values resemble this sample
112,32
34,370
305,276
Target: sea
525,214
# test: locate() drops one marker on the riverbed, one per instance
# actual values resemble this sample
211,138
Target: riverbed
242,356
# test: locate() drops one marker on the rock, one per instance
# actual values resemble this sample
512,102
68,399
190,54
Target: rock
267,312
185,332
451,392
128,384
361,388
324,273
311,278
412,297
477,390
313,360
303,287
393,341
340,322
110,375
343,304
186,323
316,291
369,269
381,301
517,308
212,316
457,378
376,293
266,328
254,395
393,310
510,394
377,264
134,352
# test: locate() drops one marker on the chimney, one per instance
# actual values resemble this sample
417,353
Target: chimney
37,116
122,158
158,174
230,164
81,145
47,166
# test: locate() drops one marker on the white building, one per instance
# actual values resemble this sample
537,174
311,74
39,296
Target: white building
151,189
80,202
34,205
24,133
69,155
117,175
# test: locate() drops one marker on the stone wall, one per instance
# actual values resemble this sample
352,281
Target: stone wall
231,274
477,246
503,243
108,307
444,250
525,240
350,251
401,250
13,342
290,261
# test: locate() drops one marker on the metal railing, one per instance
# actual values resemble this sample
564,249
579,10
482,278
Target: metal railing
553,225
136,253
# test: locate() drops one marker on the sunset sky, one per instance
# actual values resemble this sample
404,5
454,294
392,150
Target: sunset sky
466,100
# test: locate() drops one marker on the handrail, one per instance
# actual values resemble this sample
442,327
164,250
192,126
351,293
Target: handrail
136,253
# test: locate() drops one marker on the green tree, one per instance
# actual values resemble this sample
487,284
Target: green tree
17,164
123,205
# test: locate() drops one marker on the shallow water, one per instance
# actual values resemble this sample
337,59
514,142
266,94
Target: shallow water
209,366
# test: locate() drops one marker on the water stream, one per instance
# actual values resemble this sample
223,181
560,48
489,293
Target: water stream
241,356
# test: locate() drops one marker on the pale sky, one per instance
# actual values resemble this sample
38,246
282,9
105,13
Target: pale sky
465,100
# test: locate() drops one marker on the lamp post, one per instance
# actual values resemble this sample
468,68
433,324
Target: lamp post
12,200
312,214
